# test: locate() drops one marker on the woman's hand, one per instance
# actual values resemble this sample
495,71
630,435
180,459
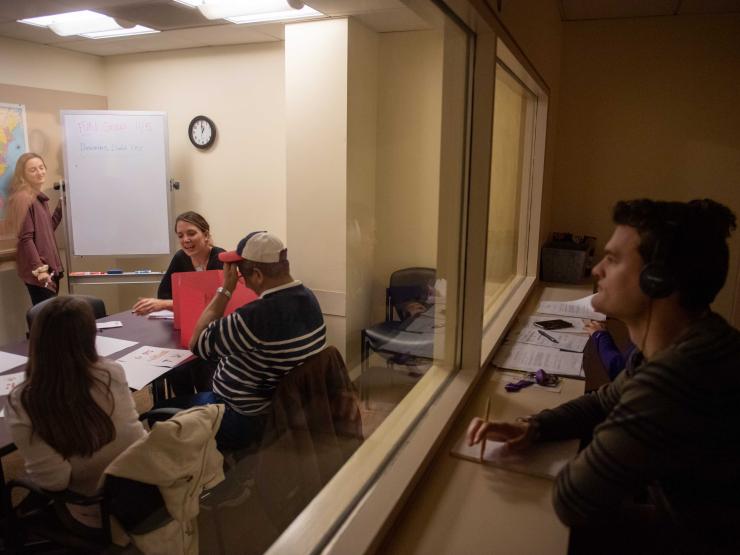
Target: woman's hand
44,278
517,435
592,326
146,306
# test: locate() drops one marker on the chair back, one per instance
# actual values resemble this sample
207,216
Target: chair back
97,305
314,427
408,284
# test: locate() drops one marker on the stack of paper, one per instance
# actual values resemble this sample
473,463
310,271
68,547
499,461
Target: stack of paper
529,348
162,315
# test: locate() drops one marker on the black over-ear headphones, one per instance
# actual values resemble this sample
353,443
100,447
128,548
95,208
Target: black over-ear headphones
657,280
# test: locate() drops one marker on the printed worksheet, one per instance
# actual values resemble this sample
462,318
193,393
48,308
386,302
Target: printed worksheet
157,356
580,308
9,381
109,325
141,374
564,341
530,358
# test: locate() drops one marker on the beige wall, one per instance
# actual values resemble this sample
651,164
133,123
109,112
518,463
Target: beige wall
44,67
362,116
316,115
408,154
648,109
536,28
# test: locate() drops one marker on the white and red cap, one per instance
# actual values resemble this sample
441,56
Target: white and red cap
258,246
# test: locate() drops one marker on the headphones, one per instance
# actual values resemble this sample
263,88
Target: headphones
657,279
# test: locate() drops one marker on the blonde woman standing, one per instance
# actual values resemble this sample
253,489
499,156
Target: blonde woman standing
37,257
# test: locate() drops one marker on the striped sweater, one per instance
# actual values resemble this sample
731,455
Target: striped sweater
260,343
671,424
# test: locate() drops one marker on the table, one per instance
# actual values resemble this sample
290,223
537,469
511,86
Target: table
147,331
465,507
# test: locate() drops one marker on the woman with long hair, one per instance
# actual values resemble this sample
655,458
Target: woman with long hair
37,257
74,413
196,253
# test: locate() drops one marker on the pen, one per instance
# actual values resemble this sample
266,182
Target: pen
548,336
483,443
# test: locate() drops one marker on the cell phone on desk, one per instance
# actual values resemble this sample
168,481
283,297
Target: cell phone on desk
553,324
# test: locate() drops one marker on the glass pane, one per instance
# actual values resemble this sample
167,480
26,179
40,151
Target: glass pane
510,172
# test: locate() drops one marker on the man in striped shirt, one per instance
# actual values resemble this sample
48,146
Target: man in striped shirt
666,432
259,343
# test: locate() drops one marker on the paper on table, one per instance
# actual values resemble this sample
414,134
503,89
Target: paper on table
9,381
140,374
157,356
530,358
162,315
2,412
106,346
528,322
8,361
565,341
545,460
108,325
581,308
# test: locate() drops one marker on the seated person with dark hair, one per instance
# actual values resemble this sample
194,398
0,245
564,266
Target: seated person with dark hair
667,430
259,343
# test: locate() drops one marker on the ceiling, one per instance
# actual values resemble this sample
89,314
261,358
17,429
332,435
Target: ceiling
577,10
183,27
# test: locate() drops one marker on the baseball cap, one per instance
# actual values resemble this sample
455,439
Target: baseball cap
258,246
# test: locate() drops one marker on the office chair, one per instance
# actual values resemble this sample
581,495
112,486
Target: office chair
387,337
34,527
97,305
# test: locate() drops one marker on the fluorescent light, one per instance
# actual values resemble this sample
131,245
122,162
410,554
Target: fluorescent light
255,11
136,30
86,23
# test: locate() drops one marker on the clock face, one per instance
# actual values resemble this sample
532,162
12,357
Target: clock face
202,132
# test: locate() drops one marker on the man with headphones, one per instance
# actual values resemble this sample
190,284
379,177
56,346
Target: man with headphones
662,472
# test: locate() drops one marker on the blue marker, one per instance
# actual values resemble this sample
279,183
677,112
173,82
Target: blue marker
142,271
114,271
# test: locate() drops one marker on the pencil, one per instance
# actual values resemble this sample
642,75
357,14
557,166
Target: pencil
483,443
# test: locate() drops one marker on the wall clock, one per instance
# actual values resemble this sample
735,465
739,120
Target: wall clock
202,132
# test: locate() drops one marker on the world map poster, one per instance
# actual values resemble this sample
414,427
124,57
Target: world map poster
13,143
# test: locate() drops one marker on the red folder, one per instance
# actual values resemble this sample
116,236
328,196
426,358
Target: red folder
191,293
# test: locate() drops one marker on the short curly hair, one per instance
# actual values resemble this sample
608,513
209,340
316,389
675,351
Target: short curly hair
694,235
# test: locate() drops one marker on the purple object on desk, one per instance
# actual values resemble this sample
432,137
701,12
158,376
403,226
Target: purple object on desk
513,387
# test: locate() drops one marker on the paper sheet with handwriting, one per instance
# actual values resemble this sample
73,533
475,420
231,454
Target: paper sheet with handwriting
106,346
565,341
580,308
157,356
9,381
545,460
530,358
8,361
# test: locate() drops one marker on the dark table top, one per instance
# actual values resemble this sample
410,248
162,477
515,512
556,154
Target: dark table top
143,330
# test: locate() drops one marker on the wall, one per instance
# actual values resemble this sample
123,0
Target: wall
408,154
362,118
316,66
536,28
648,109
65,81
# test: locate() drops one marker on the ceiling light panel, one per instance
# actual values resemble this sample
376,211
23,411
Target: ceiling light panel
86,23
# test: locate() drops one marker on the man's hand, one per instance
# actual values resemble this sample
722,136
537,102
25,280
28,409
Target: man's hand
517,435
231,276
592,326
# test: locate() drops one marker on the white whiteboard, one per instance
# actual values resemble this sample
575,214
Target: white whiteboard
116,171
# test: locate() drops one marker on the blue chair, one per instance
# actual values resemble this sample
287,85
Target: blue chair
391,338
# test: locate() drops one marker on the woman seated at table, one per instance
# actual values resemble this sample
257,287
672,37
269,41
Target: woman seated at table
74,412
197,254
